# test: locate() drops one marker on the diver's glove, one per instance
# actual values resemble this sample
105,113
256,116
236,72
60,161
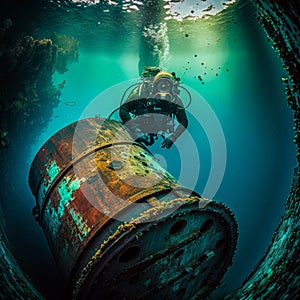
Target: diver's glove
146,139
168,142
142,139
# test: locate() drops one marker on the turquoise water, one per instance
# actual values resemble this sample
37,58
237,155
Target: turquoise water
242,93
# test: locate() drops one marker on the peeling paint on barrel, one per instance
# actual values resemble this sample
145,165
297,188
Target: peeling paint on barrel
65,191
52,170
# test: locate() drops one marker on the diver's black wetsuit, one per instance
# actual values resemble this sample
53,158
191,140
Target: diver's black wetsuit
148,106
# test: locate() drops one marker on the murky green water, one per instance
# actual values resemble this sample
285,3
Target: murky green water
241,86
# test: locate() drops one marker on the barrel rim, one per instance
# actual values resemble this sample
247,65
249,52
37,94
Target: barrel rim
80,281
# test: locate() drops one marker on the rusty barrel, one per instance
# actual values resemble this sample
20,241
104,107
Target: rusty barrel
119,225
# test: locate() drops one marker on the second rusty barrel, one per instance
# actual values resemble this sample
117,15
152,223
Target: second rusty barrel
119,225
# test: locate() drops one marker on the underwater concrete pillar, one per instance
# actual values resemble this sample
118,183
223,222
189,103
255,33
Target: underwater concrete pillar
119,225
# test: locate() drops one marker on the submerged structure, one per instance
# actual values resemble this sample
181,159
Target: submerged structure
119,225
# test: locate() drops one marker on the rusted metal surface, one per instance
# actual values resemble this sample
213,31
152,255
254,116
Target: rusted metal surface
181,256
119,225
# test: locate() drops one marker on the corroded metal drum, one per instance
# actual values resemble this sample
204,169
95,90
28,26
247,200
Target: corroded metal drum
119,225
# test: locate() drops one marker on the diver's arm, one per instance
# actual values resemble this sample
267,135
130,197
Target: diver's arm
128,106
181,118
183,124
124,113
126,118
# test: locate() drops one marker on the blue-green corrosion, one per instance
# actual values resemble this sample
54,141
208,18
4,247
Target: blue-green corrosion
56,216
65,191
52,170
83,228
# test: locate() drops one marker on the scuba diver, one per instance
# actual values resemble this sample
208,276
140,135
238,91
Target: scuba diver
152,106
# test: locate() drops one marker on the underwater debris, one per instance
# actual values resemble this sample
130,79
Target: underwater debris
209,8
70,103
4,141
